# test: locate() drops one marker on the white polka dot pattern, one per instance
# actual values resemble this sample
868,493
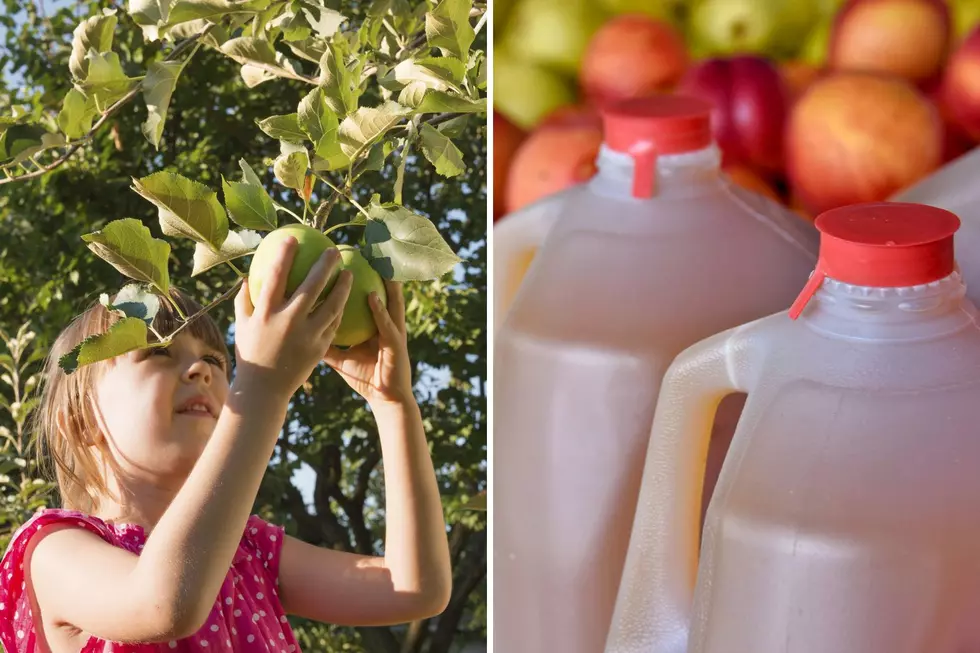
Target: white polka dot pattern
246,617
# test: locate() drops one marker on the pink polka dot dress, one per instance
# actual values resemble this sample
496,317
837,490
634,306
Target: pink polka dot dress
247,615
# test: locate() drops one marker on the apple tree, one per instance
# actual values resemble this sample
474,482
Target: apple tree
216,122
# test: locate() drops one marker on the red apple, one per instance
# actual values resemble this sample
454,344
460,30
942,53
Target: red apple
551,160
751,180
632,55
961,86
507,137
751,104
857,137
956,140
908,38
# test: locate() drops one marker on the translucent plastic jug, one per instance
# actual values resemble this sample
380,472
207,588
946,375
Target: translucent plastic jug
847,515
956,187
657,251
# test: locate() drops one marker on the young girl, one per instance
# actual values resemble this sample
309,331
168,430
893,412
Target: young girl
159,459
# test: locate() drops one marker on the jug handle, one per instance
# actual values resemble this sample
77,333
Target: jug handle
516,240
653,606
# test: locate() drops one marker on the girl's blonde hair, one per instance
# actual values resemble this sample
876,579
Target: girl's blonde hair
64,422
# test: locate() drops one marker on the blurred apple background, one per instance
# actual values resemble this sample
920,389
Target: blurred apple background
819,103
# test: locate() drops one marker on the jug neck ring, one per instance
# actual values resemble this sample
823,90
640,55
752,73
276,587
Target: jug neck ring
891,314
675,174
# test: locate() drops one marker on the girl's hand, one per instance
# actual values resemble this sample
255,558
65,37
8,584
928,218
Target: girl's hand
379,370
279,342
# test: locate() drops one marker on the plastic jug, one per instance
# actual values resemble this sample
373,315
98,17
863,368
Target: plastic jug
845,519
956,187
656,252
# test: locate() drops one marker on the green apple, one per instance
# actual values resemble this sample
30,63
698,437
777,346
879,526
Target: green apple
724,27
526,93
794,20
966,16
312,243
501,14
816,44
553,33
829,8
358,323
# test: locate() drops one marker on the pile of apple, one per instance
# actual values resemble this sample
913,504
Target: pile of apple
818,103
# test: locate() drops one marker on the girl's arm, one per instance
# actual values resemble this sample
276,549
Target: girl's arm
168,590
413,580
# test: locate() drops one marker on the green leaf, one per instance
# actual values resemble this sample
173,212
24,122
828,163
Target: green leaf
405,246
283,128
441,152
249,50
377,155
149,15
134,300
19,142
327,24
253,75
187,208
362,128
379,8
310,49
238,244
186,10
129,247
249,205
481,73
292,23
449,68
370,32
106,82
429,72
77,114
413,94
158,88
400,170
314,116
341,85
248,175
448,28
331,159
320,124
93,33
291,169
215,38
455,127
126,335
440,102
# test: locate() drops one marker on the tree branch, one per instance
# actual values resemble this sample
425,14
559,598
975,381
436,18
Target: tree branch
470,573
364,475
322,527
111,111
327,478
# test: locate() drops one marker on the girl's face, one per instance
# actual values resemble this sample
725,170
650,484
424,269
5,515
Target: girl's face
139,407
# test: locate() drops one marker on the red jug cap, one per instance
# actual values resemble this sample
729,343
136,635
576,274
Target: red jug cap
650,126
883,245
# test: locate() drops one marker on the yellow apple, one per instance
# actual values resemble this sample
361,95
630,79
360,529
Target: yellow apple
312,243
358,323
